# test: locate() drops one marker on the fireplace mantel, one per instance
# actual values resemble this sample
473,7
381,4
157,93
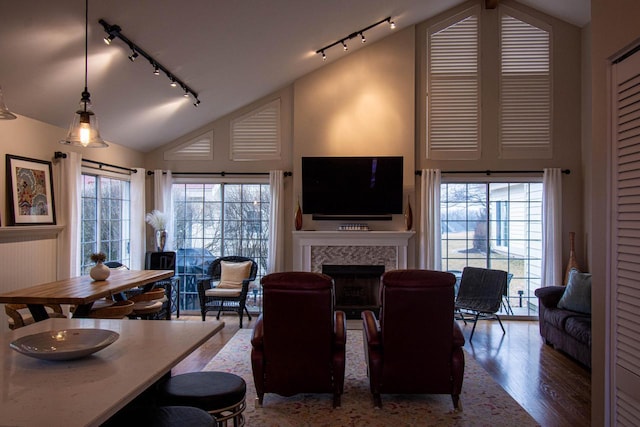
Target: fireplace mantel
305,241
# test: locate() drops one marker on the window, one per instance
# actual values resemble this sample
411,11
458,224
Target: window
525,87
487,82
453,87
256,135
218,219
495,225
106,212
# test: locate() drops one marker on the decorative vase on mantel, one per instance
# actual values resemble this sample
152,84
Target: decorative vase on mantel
408,216
161,239
572,263
298,220
99,272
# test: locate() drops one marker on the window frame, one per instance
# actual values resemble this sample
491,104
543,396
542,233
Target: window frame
531,283
253,180
126,249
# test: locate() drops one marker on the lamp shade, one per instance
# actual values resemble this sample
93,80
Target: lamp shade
5,114
84,131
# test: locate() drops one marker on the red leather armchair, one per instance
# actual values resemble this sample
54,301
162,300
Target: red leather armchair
298,342
416,346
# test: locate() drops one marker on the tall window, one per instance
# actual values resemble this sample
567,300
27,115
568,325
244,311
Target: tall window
495,225
218,219
525,85
106,213
453,87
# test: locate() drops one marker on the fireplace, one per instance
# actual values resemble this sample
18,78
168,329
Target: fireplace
356,287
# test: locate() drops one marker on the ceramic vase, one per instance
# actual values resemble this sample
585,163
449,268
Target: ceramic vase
99,272
572,263
161,239
298,220
408,216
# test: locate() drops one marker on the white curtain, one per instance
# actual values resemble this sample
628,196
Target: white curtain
552,227
162,181
69,243
137,226
275,257
429,235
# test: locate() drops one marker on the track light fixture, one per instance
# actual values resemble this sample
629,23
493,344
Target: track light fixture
114,31
359,33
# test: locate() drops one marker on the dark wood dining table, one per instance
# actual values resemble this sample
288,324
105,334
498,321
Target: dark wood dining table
81,291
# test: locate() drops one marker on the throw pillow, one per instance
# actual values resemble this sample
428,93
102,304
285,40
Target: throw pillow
233,273
577,295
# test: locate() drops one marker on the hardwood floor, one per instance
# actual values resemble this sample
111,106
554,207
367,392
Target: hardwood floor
554,389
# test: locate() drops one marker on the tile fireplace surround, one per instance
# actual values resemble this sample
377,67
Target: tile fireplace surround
312,249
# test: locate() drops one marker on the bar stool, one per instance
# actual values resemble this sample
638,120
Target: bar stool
180,416
222,394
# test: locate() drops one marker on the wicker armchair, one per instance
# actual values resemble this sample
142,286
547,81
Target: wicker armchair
225,296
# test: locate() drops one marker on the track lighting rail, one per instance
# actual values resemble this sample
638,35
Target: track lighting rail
114,31
359,33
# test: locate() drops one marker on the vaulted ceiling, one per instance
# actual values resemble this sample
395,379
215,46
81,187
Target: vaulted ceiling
229,52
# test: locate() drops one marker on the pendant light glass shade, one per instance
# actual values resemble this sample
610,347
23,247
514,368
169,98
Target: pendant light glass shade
5,114
83,131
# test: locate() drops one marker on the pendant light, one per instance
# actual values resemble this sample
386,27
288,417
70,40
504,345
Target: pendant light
83,131
5,114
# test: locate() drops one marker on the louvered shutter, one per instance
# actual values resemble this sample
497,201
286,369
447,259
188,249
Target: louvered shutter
198,148
525,88
256,135
453,88
625,280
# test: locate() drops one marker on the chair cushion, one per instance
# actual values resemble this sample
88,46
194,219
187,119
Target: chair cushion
233,273
577,296
207,390
224,292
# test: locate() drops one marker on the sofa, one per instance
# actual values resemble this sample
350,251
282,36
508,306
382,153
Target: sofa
565,329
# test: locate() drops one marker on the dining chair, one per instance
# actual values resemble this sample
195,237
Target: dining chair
165,260
109,309
20,316
148,305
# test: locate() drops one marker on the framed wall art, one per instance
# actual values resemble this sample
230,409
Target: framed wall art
30,191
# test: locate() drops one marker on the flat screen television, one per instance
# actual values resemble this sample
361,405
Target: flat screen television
352,187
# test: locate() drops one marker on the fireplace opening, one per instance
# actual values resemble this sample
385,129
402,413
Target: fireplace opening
356,287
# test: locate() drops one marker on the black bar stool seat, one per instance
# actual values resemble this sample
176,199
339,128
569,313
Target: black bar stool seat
222,394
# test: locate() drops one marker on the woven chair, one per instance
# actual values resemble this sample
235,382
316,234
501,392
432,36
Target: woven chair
20,316
480,295
218,294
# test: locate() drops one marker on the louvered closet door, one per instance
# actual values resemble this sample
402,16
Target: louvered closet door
625,280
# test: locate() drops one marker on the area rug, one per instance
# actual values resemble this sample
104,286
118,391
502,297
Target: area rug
484,402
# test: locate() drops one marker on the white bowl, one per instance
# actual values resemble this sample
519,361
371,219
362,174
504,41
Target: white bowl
64,344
